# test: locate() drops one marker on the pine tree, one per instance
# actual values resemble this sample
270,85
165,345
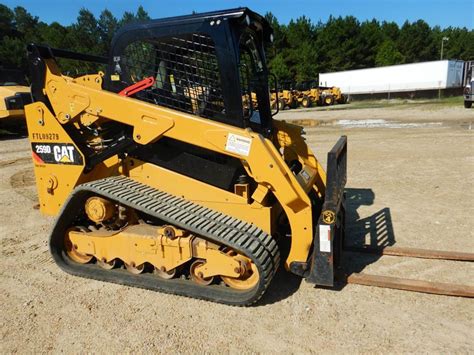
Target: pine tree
388,54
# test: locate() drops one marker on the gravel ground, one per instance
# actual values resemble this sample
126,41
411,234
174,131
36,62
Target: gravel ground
417,178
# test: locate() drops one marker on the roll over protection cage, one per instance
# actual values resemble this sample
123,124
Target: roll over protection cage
224,29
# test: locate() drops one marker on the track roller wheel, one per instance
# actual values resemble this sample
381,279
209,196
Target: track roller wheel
197,276
71,249
167,275
134,269
107,265
248,276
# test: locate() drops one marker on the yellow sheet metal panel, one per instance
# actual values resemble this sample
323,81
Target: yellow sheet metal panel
200,193
58,163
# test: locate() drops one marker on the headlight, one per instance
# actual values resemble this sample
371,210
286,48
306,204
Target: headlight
467,90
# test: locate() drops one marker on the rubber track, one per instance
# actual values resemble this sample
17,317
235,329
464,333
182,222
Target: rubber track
246,238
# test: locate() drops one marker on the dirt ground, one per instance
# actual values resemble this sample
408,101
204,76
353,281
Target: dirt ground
412,168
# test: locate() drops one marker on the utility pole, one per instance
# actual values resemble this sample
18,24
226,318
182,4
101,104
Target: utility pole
442,45
441,58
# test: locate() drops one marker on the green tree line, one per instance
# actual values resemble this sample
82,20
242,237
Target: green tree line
89,34
301,50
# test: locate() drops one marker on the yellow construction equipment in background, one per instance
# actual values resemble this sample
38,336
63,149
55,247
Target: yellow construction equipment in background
14,94
331,95
286,99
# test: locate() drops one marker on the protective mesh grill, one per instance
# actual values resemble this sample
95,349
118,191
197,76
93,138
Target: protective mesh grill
248,97
186,73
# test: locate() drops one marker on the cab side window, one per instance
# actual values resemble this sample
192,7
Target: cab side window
185,70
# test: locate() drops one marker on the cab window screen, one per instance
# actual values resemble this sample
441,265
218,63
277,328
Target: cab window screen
185,70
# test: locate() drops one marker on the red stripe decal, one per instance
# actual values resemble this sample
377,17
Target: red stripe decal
37,158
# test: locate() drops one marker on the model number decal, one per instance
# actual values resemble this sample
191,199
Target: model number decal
43,149
51,153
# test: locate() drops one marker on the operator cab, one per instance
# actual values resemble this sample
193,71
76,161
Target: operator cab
211,65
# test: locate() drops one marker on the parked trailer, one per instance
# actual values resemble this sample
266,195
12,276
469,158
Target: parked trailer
436,75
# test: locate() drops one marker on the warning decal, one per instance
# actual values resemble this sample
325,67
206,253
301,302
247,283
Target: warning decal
60,153
329,217
238,144
324,238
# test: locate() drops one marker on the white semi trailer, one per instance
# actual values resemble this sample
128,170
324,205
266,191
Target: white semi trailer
436,75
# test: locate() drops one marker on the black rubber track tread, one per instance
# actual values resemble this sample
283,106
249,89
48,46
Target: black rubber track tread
209,224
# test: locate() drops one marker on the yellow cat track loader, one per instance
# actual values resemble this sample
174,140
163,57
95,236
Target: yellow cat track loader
160,178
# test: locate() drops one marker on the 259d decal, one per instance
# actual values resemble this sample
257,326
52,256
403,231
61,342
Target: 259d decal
56,153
